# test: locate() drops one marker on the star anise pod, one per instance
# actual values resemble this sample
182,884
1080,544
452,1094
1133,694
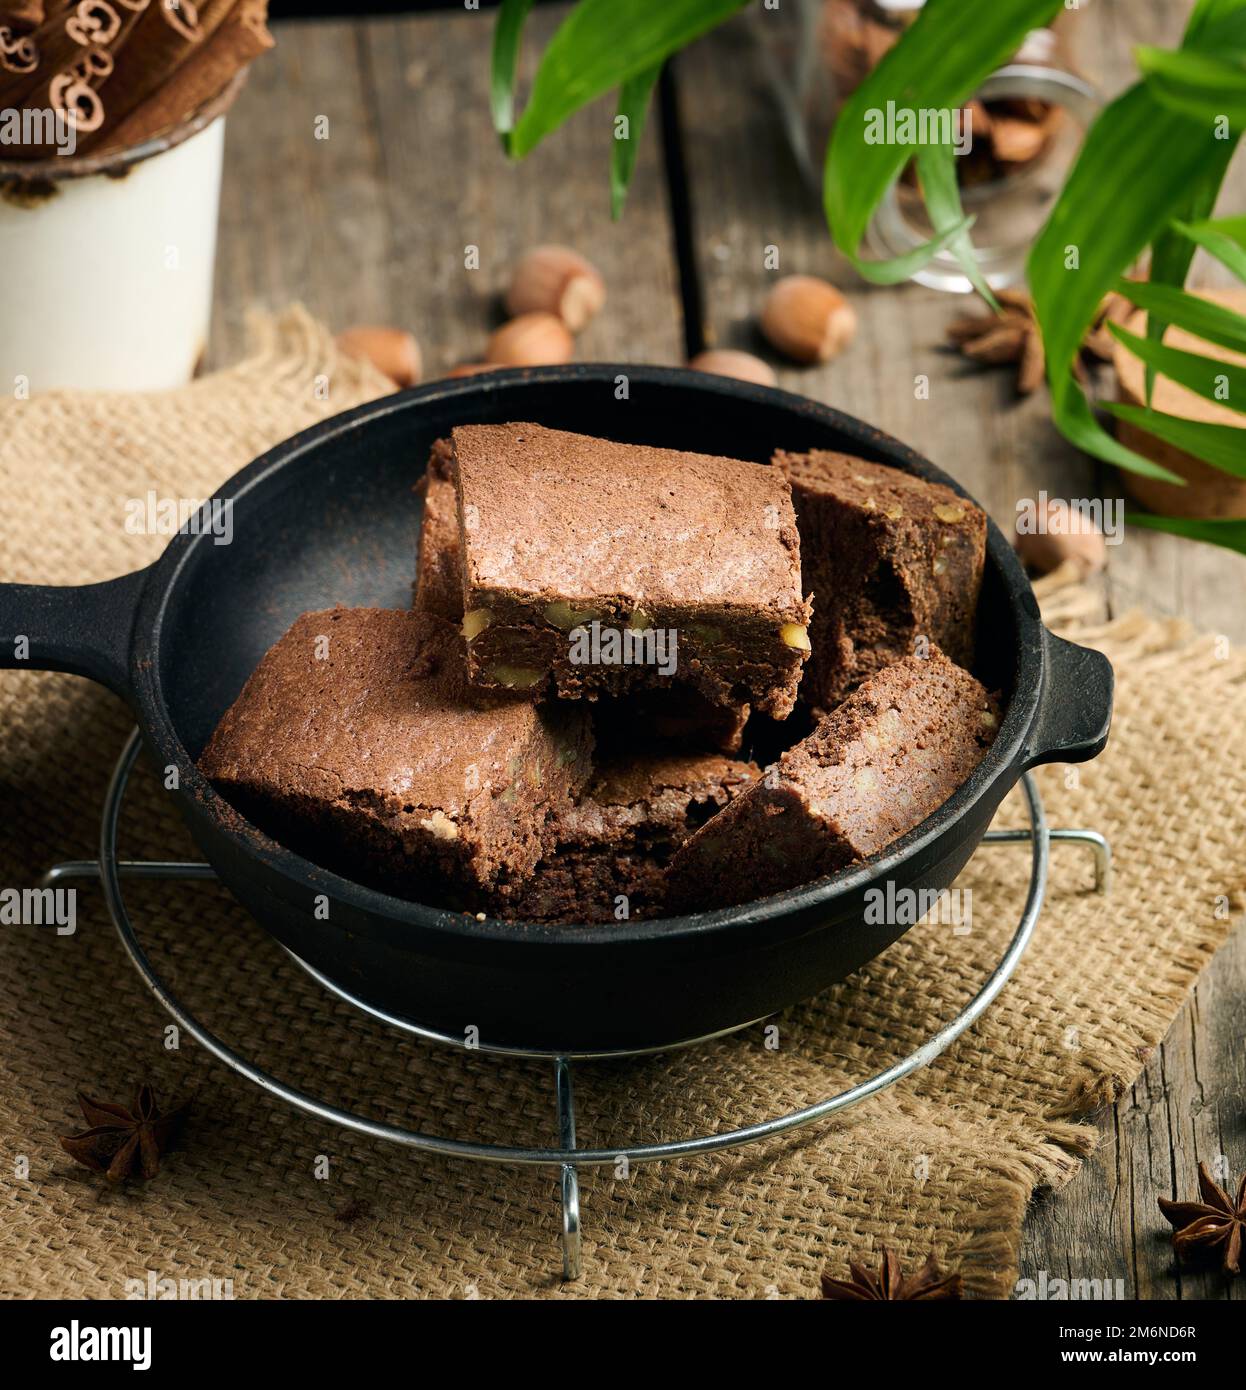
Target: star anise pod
1014,336
889,1283
1009,336
1199,1228
124,1143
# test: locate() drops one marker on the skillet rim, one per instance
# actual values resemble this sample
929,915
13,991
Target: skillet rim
1003,763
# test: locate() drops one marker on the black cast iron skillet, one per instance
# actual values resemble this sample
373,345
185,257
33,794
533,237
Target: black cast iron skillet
330,517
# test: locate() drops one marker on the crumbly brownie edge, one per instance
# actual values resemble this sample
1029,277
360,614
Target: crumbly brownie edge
796,825
906,555
618,839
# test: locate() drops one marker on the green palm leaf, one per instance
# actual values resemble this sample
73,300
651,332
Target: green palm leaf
1208,377
1202,317
936,168
944,55
634,107
1229,532
1222,446
1225,239
1197,84
507,36
599,46
1116,200
1172,250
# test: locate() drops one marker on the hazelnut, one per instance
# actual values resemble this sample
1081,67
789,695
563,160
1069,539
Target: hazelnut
1065,535
1016,141
741,365
531,340
795,635
556,280
945,512
392,351
807,319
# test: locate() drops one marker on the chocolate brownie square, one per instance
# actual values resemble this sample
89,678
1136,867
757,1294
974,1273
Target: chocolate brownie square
878,765
438,575
889,559
592,567
614,844
359,742
671,712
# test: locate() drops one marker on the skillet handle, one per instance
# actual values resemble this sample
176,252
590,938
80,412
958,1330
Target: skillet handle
84,629
1075,711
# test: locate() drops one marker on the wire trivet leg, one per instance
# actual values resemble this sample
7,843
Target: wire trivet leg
570,1178
128,868
1096,843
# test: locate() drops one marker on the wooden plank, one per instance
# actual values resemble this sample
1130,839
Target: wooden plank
448,185
746,194
372,223
301,218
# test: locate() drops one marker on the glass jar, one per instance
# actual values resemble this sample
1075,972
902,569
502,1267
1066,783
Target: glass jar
1023,127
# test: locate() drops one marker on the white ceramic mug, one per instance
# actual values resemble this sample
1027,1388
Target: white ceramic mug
109,262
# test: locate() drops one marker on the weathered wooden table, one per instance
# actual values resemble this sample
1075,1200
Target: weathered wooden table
372,223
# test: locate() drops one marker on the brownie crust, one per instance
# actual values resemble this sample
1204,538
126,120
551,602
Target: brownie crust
877,766
563,536
889,558
359,742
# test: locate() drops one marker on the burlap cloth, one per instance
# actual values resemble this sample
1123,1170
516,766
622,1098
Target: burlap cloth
284,1205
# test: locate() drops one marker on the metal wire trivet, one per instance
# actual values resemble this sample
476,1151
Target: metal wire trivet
566,1158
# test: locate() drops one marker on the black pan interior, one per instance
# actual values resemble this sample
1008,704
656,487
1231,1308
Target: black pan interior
339,522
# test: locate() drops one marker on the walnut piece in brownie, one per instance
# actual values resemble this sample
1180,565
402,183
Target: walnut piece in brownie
874,768
618,838
567,538
438,575
888,558
359,742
